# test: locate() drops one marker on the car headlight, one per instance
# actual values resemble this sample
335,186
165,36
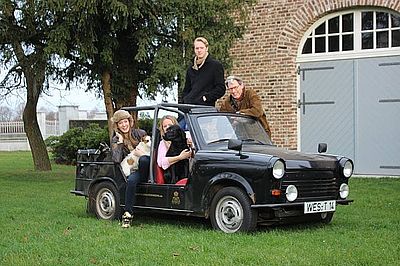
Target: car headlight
347,167
278,170
291,193
344,190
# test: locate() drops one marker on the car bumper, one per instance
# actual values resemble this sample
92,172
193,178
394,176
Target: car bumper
294,204
78,192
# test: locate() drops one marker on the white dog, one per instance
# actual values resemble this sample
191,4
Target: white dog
131,161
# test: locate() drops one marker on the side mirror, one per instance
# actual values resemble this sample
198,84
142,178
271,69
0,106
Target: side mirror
235,144
322,147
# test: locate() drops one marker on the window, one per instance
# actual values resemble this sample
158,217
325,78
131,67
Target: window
379,30
354,32
334,35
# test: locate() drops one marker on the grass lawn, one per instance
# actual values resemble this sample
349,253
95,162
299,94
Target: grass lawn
42,223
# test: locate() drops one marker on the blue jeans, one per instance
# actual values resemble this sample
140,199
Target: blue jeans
140,175
182,122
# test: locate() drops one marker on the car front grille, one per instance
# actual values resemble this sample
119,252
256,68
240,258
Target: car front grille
312,184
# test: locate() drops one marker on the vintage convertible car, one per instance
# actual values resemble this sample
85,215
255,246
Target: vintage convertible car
237,178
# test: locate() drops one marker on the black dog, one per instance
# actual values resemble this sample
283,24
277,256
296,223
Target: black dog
178,140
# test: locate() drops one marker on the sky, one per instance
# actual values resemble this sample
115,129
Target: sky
85,100
58,96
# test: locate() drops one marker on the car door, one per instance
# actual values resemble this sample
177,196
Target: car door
154,195
161,196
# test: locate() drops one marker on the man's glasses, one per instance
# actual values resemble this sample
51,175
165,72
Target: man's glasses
234,88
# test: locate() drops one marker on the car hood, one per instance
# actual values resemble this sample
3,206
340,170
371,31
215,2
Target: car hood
295,159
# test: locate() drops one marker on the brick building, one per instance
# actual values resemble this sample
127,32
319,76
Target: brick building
328,71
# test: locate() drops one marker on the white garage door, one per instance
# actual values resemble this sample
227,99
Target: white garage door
378,119
353,106
349,96
326,106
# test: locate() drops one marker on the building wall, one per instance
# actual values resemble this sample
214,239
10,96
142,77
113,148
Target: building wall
266,57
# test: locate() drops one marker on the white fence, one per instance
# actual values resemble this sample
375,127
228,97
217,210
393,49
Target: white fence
13,136
12,127
52,128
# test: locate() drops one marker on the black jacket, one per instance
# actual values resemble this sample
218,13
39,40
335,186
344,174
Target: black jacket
120,151
208,81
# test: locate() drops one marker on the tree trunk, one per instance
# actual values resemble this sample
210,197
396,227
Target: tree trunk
129,100
133,96
133,102
34,72
40,156
106,85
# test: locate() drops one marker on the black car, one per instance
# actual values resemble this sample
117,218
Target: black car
237,178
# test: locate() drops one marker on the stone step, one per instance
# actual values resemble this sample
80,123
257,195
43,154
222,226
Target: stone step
11,137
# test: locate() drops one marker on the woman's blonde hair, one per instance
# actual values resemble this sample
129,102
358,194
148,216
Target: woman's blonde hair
165,117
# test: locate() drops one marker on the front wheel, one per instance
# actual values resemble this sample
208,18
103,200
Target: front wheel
231,211
106,201
326,217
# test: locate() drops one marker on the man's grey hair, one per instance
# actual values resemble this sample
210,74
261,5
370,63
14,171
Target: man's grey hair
231,78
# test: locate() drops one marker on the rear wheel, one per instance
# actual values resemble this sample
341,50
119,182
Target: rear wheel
105,199
231,211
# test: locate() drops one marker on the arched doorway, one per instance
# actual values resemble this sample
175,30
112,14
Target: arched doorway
349,96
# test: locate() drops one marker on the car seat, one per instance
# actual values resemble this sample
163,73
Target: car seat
159,173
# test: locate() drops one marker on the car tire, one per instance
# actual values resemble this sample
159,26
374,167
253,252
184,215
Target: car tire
326,217
231,211
106,201
90,206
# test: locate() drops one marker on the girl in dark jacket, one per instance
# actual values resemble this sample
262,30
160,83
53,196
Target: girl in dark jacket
125,140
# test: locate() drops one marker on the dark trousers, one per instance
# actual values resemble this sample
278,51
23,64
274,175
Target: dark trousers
140,175
182,122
